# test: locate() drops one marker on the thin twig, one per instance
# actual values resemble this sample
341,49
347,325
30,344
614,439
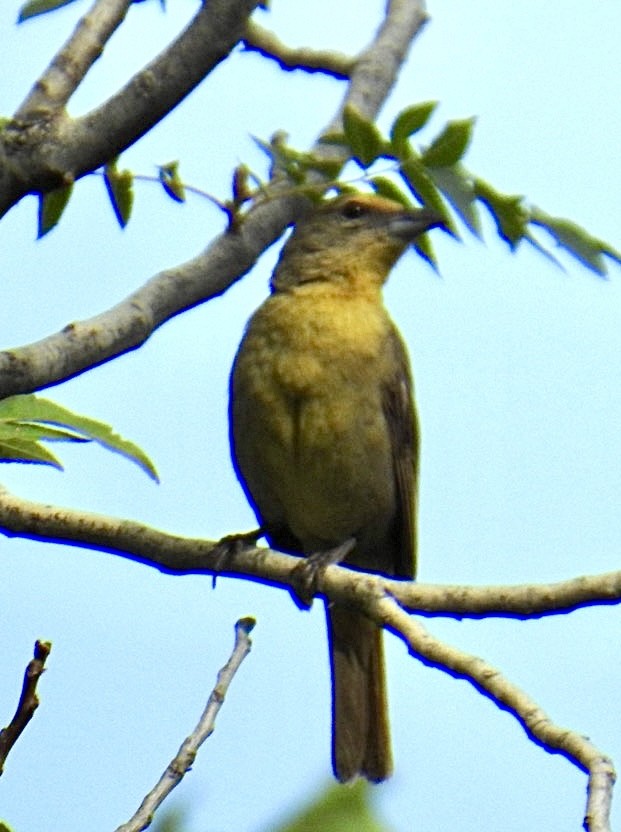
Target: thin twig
185,756
28,701
258,39
69,66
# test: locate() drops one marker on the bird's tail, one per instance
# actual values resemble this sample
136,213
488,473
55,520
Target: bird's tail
360,731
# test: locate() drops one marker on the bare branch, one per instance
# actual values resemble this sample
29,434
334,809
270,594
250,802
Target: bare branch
126,326
370,593
183,555
157,89
69,66
518,601
258,39
184,758
28,701
82,345
377,66
487,679
45,154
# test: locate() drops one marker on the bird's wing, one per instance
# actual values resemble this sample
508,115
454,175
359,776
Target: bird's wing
400,414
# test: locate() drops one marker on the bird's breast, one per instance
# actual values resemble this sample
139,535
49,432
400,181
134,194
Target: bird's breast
309,426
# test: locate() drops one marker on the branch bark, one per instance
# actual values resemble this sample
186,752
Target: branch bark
37,156
28,701
82,345
178,555
378,597
537,724
258,39
184,758
53,89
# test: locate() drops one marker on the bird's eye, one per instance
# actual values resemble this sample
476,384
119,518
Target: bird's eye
351,210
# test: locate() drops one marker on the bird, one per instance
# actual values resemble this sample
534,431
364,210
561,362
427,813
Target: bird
324,435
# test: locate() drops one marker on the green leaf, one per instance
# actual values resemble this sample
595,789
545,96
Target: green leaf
171,820
450,144
423,246
338,809
11,429
171,181
363,136
408,122
4,827
507,211
420,183
51,207
528,237
576,240
36,7
16,450
457,186
338,138
294,163
26,419
383,186
328,167
120,187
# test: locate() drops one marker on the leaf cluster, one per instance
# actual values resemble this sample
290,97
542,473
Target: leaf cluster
435,176
431,175
27,421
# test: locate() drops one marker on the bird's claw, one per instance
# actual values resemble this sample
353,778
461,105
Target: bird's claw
306,575
229,546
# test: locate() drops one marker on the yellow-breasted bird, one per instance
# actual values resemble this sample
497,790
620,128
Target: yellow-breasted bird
324,435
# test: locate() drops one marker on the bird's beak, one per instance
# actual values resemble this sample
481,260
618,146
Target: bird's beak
409,224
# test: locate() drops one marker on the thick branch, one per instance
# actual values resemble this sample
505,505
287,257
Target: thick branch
69,66
82,345
157,89
51,152
127,325
184,758
377,67
519,601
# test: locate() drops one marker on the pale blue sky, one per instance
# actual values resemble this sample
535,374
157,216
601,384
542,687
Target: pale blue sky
519,389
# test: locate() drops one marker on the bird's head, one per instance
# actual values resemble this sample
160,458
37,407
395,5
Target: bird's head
356,237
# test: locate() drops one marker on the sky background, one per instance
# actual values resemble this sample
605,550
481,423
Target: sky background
519,390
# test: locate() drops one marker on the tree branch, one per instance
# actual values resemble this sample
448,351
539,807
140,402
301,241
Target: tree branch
258,39
69,66
378,65
157,89
80,346
378,597
48,153
184,555
28,701
539,727
184,758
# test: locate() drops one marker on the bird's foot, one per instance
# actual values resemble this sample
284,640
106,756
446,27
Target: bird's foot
231,545
305,576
